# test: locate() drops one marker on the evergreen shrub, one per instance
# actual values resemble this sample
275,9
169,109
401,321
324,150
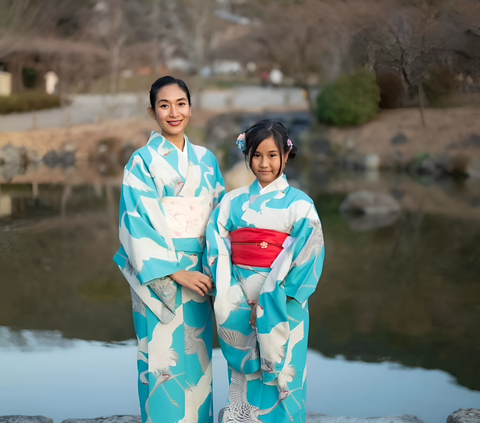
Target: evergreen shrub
349,100
28,101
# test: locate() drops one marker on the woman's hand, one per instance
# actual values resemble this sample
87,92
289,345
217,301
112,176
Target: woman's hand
253,316
195,281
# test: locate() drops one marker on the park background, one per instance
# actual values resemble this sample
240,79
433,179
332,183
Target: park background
383,100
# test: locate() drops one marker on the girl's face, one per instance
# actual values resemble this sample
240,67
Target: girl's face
267,162
172,111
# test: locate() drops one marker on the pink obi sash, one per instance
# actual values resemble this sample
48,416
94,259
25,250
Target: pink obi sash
256,247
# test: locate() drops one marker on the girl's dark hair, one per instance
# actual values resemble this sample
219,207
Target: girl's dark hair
262,130
163,82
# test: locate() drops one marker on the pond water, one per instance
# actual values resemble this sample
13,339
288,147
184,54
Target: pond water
395,322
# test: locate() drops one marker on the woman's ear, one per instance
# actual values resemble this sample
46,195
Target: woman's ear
152,113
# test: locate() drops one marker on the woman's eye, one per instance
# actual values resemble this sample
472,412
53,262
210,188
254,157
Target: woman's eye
163,105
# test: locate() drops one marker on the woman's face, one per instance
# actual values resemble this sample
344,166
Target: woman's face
267,162
172,111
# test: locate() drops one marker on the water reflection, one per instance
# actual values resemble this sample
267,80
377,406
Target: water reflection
405,293
70,378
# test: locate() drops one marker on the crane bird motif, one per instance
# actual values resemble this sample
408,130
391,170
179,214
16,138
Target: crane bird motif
272,345
196,345
239,410
196,395
241,342
161,354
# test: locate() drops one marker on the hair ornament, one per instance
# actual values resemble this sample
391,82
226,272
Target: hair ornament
241,142
290,144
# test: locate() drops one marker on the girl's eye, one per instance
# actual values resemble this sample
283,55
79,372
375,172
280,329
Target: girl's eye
273,155
163,105
181,104
256,155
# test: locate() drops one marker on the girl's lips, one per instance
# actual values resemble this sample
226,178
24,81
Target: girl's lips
174,122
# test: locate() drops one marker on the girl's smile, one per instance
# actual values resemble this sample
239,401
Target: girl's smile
267,162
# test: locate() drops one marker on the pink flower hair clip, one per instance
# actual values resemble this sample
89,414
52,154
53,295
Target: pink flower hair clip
290,144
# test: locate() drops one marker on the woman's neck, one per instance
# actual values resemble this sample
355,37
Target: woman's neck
177,140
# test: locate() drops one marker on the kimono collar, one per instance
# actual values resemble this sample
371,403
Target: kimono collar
161,141
279,184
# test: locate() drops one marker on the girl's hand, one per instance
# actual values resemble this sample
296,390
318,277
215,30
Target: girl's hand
195,281
253,316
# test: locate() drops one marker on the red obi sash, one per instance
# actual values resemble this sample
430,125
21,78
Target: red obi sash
256,247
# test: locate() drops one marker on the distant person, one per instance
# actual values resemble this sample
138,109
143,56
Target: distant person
276,77
170,187
265,251
264,78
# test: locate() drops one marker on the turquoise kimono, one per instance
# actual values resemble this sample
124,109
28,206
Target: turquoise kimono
167,198
267,366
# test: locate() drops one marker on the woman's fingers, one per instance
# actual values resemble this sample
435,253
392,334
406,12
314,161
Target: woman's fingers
195,281
206,281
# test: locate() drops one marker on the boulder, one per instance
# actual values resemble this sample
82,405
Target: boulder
473,168
64,159
321,418
111,419
13,161
369,203
372,162
399,139
25,419
464,415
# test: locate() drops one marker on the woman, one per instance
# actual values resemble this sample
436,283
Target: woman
170,187
265,250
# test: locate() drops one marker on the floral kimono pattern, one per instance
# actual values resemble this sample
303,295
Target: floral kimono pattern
165,205
267,366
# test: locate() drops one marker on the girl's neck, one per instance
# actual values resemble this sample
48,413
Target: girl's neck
177,140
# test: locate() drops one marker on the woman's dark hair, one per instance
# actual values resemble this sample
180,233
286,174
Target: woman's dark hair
163,82
263,130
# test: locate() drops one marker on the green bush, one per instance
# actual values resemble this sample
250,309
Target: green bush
350,100
28,101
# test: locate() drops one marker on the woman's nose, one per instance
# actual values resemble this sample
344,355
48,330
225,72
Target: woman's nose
173,111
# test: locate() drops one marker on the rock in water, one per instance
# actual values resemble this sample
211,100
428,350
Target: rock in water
25,419
365,210
464,415
321,418
369,203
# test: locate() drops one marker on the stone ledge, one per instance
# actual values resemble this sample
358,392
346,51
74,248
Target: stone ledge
25,419
322,418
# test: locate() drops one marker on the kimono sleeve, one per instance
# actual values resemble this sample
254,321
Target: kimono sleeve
294,274
220,185
144,232
217,258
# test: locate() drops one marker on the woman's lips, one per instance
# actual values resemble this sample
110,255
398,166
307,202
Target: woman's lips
174,122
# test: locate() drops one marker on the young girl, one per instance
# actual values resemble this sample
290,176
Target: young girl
265,253
170,187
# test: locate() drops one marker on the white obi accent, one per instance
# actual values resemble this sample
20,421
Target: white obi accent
187,217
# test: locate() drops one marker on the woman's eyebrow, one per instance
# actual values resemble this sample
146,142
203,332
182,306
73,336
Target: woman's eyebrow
179,99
